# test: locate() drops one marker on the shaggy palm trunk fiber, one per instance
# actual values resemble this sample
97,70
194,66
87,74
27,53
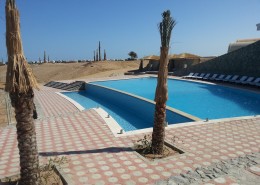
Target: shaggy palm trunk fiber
26,136
20,82
161,97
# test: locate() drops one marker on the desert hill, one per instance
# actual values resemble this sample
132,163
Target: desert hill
68,71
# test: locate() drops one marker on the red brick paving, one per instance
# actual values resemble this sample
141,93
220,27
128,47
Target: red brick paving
97,157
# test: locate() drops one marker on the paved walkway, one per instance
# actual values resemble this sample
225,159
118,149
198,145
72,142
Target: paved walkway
97,157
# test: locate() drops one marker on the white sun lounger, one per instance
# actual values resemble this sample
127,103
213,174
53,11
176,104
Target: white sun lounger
200,76
194,76
221,77
213,77
255,82
250,79
242,79
234,78
189,75
228,77
206,76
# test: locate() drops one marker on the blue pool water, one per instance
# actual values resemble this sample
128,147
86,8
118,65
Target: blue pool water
200,100
130,112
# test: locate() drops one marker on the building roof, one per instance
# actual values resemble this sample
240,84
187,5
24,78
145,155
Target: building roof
184,56
152,57
173,56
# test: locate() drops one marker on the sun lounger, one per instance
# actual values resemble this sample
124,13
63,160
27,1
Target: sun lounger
242,79
234,78
194,75
250,79
221,77
213,77
199,76
227,78
206,76
189,75
255,82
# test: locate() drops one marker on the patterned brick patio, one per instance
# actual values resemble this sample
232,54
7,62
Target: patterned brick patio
97,157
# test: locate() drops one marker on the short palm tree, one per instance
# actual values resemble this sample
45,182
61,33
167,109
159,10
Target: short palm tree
133,55
20,82
161,94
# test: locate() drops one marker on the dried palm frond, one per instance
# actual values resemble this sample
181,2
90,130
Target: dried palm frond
165,28
19,76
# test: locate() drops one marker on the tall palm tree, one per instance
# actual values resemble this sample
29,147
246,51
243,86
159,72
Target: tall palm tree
161,94
20,82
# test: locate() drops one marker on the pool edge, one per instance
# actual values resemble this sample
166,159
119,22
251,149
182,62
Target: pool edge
76,104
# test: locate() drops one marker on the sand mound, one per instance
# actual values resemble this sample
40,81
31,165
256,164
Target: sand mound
70,71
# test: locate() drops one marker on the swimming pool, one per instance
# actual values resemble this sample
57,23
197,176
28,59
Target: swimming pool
130,112
197,99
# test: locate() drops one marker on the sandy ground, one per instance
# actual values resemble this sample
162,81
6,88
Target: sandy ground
62,71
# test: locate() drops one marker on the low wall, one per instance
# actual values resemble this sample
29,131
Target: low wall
244,61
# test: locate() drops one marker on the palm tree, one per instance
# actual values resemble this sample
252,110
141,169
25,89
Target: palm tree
161,94
132,54
20,82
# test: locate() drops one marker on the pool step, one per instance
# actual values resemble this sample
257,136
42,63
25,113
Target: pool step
74,86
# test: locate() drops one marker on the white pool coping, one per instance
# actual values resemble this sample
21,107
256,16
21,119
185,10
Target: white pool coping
115,128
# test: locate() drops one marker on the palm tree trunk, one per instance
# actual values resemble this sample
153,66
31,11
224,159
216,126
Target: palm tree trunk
20,82
26,136
161,96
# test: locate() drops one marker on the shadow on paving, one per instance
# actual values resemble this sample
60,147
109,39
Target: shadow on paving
102,150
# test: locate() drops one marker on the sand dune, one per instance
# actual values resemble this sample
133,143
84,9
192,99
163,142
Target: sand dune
70,71
62,71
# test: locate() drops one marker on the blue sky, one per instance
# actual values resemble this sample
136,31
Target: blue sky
71,29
